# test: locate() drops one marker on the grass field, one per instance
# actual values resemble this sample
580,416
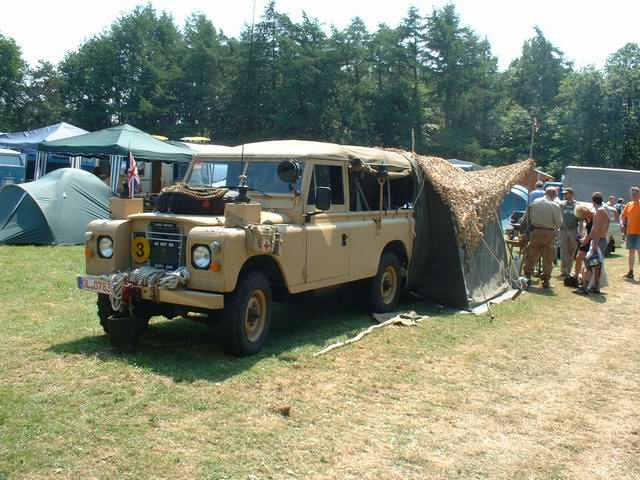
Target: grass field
549,390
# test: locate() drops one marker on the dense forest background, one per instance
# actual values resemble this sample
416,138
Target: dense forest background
299,80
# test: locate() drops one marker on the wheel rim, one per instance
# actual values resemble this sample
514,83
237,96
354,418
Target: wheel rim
388,285
255,315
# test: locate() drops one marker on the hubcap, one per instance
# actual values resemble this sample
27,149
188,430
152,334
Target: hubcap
388,285
255,315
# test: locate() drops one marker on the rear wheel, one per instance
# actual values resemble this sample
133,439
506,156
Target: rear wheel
246,319
386,285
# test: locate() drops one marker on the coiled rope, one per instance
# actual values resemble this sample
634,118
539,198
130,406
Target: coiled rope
146,276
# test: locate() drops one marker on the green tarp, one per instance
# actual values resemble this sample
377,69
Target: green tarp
119,140
53,210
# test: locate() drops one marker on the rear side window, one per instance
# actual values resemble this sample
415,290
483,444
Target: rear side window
327,176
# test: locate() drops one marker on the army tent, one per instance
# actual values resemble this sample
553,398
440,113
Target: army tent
53,210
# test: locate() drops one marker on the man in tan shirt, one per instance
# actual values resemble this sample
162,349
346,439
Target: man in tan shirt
544,217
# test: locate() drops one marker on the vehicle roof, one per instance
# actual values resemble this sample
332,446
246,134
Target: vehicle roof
6,151
600,169
207,149
308,149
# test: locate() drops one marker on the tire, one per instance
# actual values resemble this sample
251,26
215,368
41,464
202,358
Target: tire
246,319
386,285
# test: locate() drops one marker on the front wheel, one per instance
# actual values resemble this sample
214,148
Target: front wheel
246,318
385,286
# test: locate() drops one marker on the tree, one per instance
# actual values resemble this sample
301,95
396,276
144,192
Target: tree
623,92
463,72
580,116
43,103
534,78
127,75
12,69
202,90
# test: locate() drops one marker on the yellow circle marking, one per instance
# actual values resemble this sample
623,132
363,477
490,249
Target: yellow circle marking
140,249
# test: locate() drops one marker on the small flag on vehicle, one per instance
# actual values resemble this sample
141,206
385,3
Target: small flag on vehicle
133,179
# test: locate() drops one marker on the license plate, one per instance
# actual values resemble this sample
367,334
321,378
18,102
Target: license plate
94,285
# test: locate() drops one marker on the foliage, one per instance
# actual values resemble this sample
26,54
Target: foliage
429,75
11,76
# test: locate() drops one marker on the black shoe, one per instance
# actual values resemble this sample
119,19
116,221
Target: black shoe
595,290
546,285
581,291
629,275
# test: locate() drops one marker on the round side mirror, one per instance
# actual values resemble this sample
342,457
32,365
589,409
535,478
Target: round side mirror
289,171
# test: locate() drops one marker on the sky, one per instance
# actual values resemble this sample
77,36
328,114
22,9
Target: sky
587,31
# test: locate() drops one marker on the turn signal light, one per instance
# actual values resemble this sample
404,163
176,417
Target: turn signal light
215,266
88,253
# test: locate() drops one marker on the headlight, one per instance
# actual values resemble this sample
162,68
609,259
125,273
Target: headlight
105,247
215,246
201,257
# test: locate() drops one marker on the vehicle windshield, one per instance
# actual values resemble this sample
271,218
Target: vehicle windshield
10,160
261,176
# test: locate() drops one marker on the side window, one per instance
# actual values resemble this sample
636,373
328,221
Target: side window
327,176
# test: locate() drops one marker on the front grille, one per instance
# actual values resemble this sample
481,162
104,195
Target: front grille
167,245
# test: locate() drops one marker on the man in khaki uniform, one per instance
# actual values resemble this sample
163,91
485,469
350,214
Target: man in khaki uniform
568,232
545,217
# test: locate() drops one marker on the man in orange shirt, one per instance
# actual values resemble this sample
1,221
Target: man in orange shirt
630,224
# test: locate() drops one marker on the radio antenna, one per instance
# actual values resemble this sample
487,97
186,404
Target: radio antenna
243,188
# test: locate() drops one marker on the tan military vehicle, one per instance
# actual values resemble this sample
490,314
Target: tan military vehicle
318,215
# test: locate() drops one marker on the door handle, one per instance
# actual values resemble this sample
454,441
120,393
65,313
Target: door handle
344,239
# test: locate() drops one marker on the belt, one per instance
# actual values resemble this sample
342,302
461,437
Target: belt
542,228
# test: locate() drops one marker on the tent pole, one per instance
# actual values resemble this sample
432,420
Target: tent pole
36,169
115,172
156,177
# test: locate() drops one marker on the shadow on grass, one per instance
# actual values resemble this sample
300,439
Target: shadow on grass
187,351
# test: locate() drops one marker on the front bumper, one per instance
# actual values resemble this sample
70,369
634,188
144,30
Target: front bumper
182,297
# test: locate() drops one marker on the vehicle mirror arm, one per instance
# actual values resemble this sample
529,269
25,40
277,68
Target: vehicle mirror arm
292,188
308,215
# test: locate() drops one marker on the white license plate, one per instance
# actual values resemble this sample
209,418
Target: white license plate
94,285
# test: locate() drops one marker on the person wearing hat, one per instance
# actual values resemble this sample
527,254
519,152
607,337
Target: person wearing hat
568,232
544,218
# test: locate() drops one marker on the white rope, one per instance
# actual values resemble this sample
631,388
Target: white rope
146,276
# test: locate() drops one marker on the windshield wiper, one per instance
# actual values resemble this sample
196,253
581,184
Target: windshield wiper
251,189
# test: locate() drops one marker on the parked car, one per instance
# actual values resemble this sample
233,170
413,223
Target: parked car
12,167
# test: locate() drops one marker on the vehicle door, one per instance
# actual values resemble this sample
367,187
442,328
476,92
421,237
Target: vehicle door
327,252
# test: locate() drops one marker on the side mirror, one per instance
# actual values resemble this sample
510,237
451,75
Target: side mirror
323,198
289,171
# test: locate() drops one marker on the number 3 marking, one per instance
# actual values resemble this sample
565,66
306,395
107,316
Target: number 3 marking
140,249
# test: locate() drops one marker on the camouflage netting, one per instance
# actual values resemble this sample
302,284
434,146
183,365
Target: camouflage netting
473,197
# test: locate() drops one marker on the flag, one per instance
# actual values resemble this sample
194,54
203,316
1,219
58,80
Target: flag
133,180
